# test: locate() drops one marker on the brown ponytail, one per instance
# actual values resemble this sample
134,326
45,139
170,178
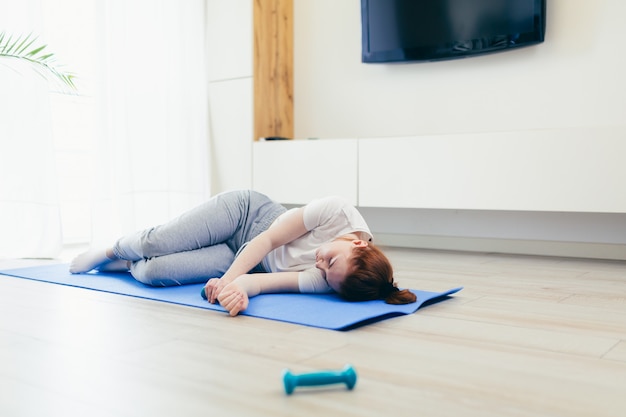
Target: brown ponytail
372,279
397,296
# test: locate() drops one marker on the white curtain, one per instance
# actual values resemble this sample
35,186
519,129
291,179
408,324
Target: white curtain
148,138
30,224
151,159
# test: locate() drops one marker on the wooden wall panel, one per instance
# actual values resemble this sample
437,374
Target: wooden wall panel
273,68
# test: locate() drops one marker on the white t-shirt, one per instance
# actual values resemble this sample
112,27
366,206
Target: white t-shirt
325,219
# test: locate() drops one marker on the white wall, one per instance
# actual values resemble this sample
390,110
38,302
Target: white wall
229,41
572,80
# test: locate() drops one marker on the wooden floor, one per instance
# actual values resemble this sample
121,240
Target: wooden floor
528,336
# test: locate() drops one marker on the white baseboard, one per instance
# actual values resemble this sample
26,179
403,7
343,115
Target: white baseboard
510,246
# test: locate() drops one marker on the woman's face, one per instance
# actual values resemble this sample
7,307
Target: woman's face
333,259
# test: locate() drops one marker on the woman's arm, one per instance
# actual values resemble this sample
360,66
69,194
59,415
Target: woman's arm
290,228
235,296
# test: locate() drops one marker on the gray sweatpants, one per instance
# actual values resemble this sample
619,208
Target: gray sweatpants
201,243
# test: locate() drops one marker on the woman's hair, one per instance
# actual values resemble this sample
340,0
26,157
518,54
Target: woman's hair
372,278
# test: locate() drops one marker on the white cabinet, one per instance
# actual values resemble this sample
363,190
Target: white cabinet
558,170
573,170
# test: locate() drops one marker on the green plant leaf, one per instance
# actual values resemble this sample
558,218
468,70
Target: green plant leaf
17,47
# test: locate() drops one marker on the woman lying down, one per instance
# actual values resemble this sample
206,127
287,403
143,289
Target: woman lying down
241,243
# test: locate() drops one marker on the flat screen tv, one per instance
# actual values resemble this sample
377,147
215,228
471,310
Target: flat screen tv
431,30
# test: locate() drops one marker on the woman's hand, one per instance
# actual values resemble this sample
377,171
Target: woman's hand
212,289
233,298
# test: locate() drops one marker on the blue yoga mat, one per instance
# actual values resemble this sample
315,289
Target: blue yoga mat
327,311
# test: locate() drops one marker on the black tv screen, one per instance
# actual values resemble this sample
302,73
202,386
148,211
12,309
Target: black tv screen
430,30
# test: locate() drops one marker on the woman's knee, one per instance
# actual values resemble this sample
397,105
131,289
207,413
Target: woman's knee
148,272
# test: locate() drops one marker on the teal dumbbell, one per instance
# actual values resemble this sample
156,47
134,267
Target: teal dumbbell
347,376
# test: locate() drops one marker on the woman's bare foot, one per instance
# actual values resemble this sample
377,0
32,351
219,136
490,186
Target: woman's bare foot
92,259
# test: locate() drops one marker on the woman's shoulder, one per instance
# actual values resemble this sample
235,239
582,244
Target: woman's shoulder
323,210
